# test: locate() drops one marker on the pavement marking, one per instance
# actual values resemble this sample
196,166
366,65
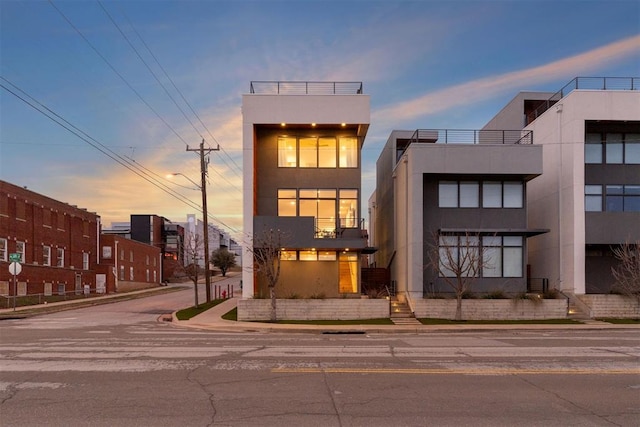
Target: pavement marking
490,372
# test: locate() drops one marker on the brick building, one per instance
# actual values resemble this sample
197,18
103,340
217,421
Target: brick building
57,243
126,264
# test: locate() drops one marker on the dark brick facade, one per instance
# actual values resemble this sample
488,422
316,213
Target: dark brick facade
59,241
126,264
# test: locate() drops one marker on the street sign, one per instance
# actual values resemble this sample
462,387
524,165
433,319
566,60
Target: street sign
15,268
15,257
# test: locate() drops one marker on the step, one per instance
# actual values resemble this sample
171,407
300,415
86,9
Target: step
405,321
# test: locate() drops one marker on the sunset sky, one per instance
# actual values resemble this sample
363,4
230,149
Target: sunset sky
138,81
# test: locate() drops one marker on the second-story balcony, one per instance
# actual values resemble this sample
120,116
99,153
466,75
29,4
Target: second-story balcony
310,232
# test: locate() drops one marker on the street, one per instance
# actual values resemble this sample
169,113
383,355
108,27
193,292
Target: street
117,364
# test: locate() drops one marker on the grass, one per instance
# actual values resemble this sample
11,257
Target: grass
188,313
231,315
430,321
621,321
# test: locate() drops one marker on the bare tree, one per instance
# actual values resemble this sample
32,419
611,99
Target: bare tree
458,260
223,259
266,248
193,247
627,272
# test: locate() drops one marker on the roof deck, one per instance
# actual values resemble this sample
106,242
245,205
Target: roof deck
305,88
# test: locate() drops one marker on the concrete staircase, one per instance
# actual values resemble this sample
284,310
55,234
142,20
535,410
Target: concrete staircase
576,309
401,314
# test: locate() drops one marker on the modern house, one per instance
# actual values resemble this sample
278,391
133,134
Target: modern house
589,193
440,193
56,243
302,181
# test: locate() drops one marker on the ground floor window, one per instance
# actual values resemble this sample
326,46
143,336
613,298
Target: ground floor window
348,265
485,256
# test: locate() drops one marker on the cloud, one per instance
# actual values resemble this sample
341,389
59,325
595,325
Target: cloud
488,87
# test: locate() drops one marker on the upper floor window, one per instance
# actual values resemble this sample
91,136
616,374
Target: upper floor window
60,257
46,255
20,250
317,152
85,261
614,198
612,148
323,205
3,249
473,194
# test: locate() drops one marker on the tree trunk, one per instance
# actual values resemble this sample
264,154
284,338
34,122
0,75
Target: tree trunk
195,288
272,293
459,307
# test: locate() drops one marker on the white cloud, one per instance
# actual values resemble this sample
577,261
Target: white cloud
480,89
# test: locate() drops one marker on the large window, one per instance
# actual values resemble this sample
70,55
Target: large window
287,152
473,194
612,148
317,152
323,205
612,198
490,256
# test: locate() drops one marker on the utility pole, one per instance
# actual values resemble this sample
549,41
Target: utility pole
205,222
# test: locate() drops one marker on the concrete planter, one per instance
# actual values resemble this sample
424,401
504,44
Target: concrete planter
314,309
492,309
617,306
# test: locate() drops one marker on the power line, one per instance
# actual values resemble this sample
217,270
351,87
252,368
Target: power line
132,166
116,71
164,71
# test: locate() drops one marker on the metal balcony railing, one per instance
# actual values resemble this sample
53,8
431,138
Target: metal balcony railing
586,83
332,228
305,88
464,136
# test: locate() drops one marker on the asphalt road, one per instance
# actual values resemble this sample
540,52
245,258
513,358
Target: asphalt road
117,365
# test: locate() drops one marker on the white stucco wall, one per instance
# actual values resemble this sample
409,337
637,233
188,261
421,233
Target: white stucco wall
556,199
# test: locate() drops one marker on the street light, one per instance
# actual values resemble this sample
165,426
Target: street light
205,223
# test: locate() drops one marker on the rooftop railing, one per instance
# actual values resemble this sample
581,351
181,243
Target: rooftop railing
305,88
586,83
464,136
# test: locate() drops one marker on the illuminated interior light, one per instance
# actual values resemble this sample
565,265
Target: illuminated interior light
343,124
313,125
283,124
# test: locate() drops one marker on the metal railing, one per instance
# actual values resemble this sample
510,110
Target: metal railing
8,301
540,285
332,228
469,136
305,88
586,83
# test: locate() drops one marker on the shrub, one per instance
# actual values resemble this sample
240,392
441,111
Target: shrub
496,294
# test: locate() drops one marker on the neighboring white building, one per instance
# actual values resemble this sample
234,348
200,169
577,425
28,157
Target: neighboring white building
589,192
195,227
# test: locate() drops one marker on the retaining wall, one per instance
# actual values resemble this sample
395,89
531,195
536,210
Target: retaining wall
492,309
617,306
313,309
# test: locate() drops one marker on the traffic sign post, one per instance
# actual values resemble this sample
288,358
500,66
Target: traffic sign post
15,257
15,268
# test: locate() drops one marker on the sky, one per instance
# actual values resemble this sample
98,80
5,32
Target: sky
99,100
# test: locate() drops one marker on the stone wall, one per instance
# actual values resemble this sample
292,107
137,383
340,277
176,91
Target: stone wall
492,309
611,306
313,309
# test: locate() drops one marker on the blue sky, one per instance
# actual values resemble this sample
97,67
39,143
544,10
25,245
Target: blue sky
425,64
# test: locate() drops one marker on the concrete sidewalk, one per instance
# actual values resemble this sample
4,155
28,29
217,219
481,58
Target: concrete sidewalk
212,320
